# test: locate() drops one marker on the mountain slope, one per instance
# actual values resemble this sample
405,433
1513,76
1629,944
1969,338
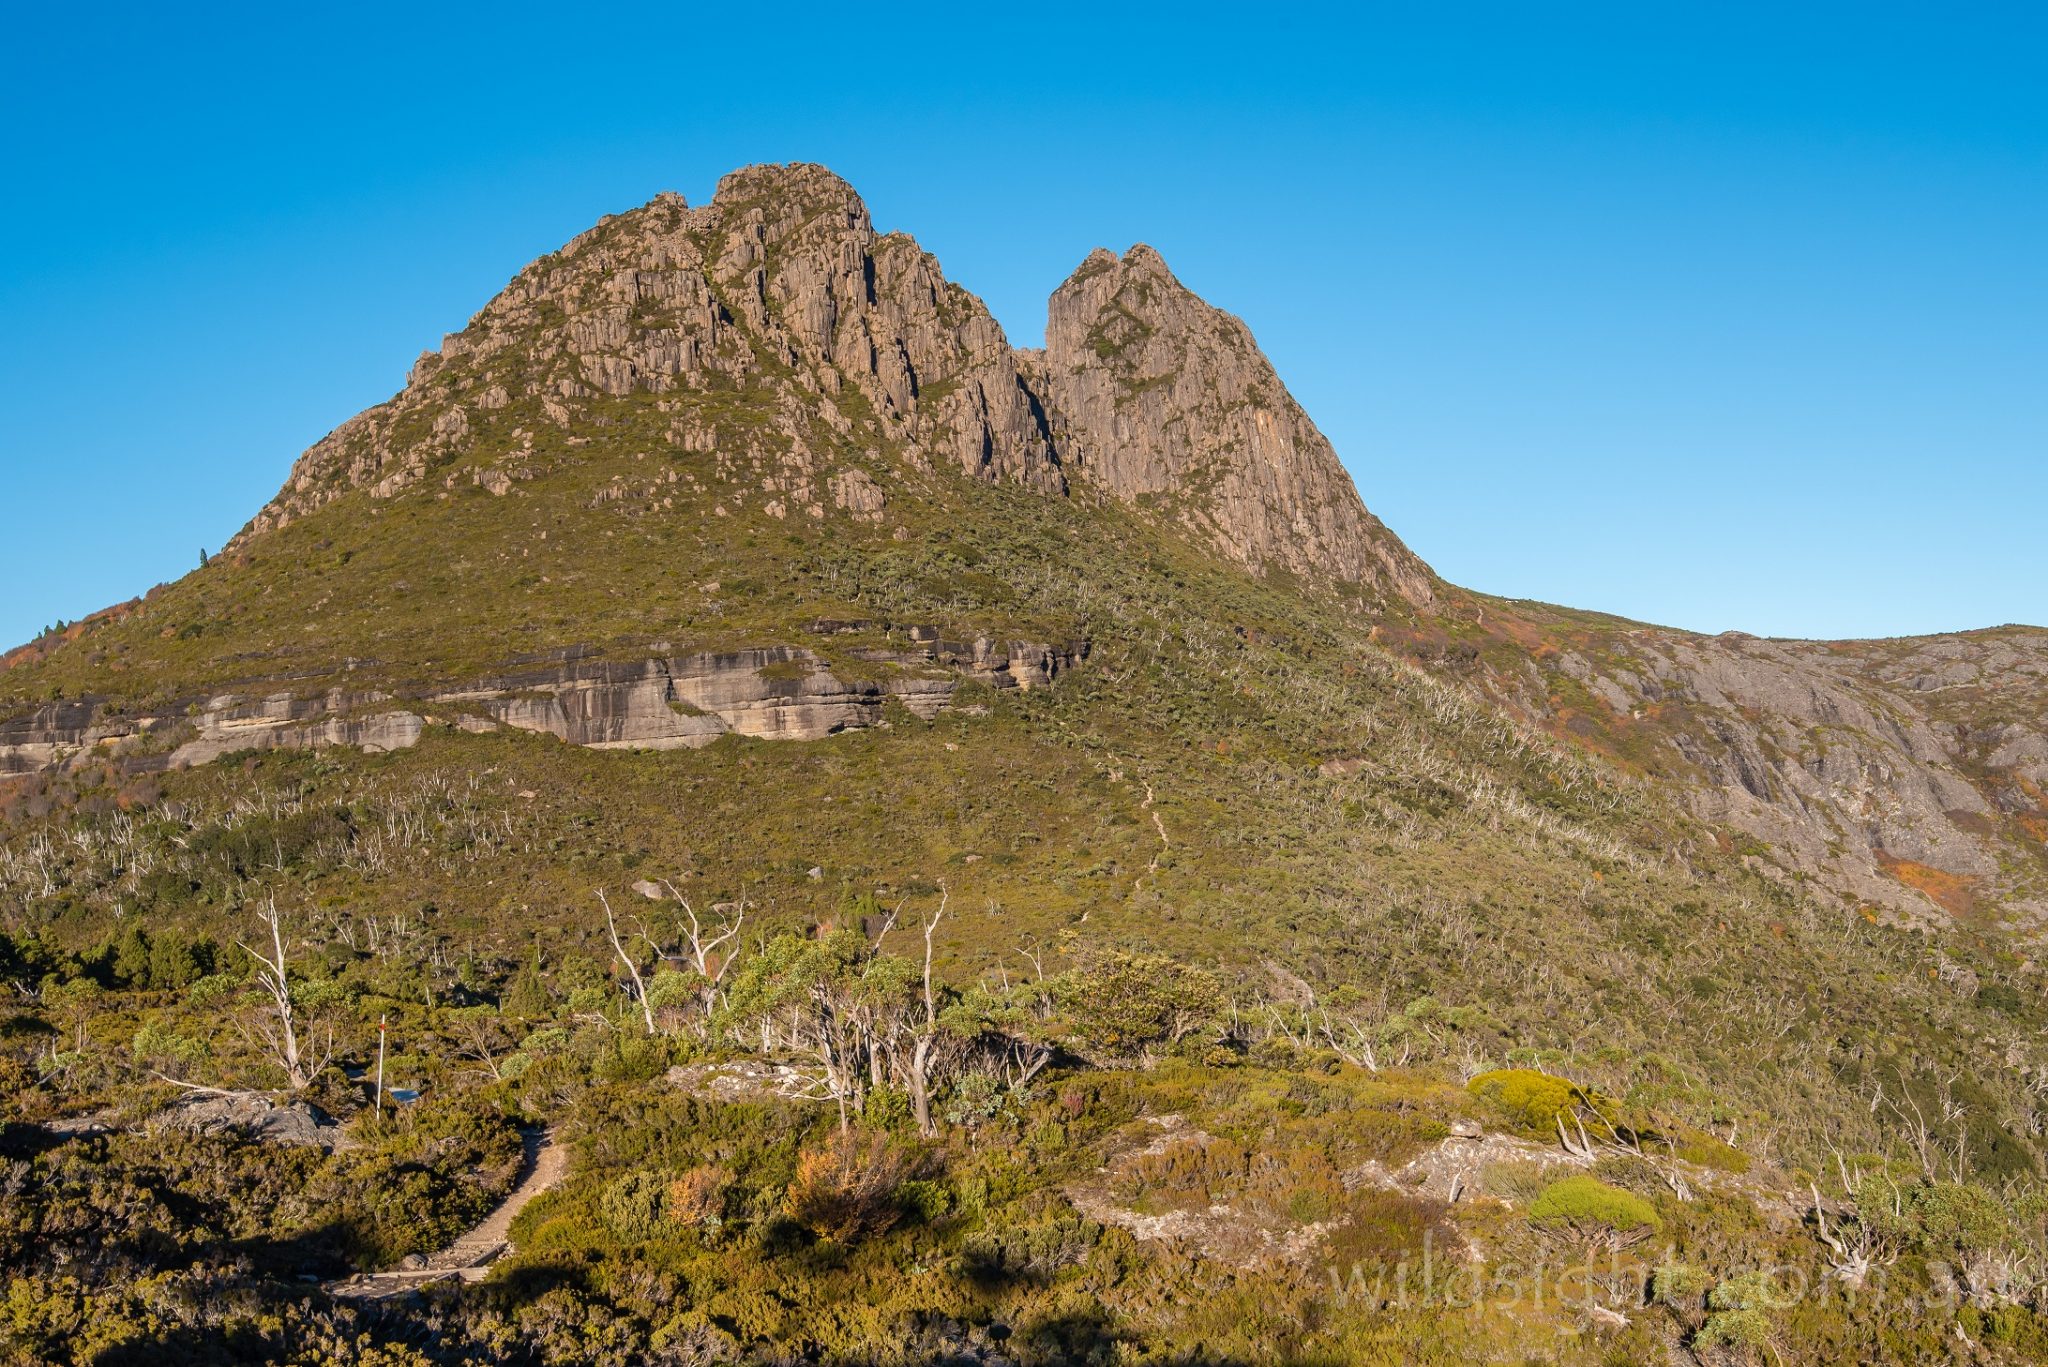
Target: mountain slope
1905,775
751,473
621,451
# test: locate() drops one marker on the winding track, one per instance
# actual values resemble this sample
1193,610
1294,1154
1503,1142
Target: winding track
471,1255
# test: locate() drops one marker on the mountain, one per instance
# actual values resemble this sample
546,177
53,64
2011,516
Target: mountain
781,285
731,560
769,356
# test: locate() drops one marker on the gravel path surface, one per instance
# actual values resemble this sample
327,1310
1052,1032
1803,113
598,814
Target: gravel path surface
470,1256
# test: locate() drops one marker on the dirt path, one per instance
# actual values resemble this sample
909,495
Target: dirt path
470,1256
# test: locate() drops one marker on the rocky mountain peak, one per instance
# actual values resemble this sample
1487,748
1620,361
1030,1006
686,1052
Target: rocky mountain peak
789,188
763,391
790,342
826,365
1163,400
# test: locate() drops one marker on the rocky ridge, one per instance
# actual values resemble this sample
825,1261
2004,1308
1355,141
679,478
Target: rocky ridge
1157,397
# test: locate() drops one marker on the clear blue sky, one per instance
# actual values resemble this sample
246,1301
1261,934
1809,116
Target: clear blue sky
1714,315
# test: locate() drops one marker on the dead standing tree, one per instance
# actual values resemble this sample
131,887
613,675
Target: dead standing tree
611,927
281,1035
1851,1258
701,949
935,1051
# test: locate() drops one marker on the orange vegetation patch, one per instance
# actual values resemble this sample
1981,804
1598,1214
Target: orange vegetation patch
1527,635
37,649
1952,892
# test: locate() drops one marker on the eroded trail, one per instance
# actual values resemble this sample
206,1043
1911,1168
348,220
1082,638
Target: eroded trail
470,1256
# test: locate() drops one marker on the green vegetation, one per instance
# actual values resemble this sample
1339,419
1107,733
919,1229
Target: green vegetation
1587,1205
1534,1102
751,1180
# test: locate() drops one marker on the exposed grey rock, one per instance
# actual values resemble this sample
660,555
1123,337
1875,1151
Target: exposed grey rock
772,693
742,1079
855,491
775,693
1155,395
1850,759
247,1113
57,730
282,722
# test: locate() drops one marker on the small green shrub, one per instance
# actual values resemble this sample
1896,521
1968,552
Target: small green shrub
1589,1205
632,1205
1737,1328
1680,1285
976,1097
1710,1152
1742,1306
1519,1182
924,1202
1533,1102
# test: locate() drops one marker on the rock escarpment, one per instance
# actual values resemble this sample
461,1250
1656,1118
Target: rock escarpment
1910,774
1163,400
770,693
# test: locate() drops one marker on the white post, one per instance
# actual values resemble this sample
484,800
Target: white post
380,1064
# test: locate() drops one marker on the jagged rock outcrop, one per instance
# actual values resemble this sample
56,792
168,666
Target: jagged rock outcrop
770,693
1159,398
780,291
256,1117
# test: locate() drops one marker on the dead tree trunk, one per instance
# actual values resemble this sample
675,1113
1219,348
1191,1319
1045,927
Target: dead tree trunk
632,970
282,1037
703,947
929,1048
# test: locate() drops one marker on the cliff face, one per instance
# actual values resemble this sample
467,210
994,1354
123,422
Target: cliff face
1161,400
1907,774
669,703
